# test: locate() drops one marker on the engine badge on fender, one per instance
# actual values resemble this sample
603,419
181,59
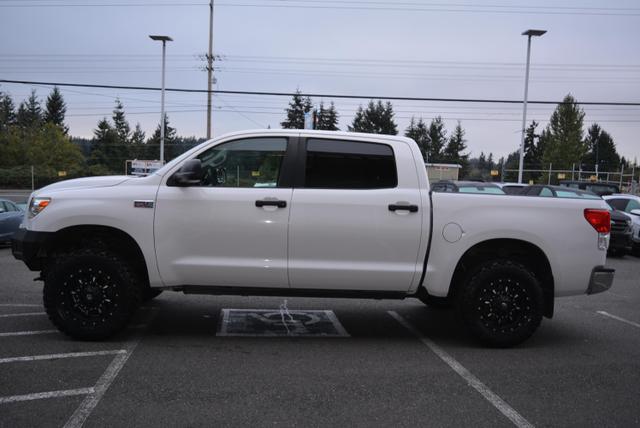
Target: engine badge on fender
143,204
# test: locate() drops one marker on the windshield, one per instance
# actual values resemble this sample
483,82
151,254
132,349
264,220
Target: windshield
184,156
481,189
569,194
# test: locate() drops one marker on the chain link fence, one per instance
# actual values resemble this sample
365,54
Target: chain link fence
33,177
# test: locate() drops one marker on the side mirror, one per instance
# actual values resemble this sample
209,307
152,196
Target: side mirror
635,212
189,175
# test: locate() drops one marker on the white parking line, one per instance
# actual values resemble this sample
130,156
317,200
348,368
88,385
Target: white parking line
90,402
19,305
607,314
58,356
49,394
24,314
27,333
497,402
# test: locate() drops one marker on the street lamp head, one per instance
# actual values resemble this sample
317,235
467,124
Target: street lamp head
162,38
531,33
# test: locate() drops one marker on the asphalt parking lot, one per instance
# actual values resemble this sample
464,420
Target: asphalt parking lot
398,364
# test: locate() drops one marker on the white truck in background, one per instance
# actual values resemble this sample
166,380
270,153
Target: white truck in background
308,213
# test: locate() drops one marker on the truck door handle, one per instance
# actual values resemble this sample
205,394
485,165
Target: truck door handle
271,203
410,208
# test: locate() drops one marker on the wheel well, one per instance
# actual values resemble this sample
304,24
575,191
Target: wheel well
101,236
523,252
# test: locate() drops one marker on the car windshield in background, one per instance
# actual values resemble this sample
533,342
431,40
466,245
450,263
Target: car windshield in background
580,195
481,189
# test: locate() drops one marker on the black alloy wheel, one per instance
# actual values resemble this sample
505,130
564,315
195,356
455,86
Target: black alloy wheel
90,294
502,303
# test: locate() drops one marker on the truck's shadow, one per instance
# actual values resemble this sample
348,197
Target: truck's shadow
368,321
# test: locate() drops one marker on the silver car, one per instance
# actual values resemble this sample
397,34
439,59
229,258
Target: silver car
629,204
10,218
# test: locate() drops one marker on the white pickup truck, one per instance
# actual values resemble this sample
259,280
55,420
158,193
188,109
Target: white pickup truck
308,213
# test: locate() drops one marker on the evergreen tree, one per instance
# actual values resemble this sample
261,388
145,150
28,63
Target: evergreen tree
482,162
438,138
377,118
153,144
120,123
56,108
418,132
138,135
105,157
563,144
327,118
490,163
532,153
137,142
298,106
30,112
359,123
7,112
453,152
601,150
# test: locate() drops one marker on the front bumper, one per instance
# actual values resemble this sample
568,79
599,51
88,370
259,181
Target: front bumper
620,241
30,247
601,279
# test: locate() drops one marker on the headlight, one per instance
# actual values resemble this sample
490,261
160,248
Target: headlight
38,204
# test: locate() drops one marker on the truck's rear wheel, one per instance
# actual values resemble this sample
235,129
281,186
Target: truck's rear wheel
502,303
90,294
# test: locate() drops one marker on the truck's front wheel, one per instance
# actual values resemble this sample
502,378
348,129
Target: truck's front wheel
502,303
90,294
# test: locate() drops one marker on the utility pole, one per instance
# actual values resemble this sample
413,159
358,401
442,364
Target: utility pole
210,69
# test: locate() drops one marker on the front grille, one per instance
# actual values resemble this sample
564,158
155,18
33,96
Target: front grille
619,226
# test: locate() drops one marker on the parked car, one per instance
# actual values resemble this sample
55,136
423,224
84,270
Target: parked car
630,204
511,188
466,187
10,218
621,242
351,215
545,190
600,188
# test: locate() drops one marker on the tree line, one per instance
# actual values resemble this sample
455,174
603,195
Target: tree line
378,118
562,144
35,134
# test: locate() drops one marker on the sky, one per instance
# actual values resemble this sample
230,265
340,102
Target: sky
415,48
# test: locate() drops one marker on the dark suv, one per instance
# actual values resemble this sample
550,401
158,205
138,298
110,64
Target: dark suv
600,188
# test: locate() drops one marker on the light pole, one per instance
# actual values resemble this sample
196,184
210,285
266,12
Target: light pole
164,40
529,34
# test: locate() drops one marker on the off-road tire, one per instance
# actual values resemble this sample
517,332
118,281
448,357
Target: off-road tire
501,303
90,293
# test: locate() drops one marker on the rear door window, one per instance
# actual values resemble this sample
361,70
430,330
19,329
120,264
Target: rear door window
339,164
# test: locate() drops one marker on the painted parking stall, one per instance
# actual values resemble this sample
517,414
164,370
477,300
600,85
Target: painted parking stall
180,364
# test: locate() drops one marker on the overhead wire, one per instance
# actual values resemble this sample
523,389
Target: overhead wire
315,95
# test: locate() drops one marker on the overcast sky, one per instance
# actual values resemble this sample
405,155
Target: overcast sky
419,48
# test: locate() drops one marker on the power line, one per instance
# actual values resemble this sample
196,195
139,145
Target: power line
336,96
368,5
